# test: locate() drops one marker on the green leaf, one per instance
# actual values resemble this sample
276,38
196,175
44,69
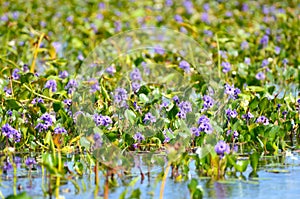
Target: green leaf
56,106
130,115
254,158
22,195
12,104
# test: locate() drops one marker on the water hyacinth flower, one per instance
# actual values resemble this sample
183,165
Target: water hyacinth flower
264,63
149,117
7,166
226,67
67,102
71,86
262,120
208,102
138,137
244,45
247,116
176,99
135,75
264,41
260,76
46,122
188,6
185,66
120,97
97,141
247,60
221,148
277,50
102,120
9,113
230,114
204,124
94,84
135,86
51,85
205,17
80,57
15,74
231,91
208,33
111,70
30,162
7,90
25,68
223,54
63,74
285,61
159,50
11,133
195,131
60,130
178,18
37,100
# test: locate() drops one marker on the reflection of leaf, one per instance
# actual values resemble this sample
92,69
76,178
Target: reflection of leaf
277,171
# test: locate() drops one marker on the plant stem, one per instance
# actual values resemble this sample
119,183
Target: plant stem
163,182
36,52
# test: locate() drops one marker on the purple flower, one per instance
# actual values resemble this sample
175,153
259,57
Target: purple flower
244,45
60,130
231,91
70,19
9,113
7,90
138,137
264,63
51,85
63,74
221,148
37,100
178,18
159,50
7,166
46,122
120,97
101,120
30,162
231,113
135,86
68,102
169,3
80,57
110,70
247,60
195,131
226,67
228,14
247,116
298,101
188,6
264,41
94,85
185,66
149,117
262,120
285,61
245,7
284,113
181,114
277,50
11,133
205,17
135,75
206,6
223,54
208,33
176,99
204,124
97,141
71,86
235,134
15,74
208,102
25,68
185,106
260,76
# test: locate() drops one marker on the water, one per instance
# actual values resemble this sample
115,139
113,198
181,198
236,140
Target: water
278,177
